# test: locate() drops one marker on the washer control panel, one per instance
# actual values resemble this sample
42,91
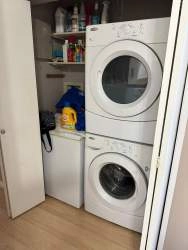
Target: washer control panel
120,147
140,154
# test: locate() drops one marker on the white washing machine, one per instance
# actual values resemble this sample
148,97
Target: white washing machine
124,67
116,179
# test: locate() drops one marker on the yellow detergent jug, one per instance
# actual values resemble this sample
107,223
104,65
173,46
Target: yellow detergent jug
68,117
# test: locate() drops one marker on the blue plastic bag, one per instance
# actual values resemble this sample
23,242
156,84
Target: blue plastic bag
76,98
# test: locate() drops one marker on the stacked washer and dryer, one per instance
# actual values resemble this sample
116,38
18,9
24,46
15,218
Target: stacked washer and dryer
124,67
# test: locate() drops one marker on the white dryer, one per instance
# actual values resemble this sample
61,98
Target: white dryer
124,67
116,179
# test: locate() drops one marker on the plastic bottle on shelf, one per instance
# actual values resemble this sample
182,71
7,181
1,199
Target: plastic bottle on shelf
69,22
77,53
60,15
74,52
81,47
70,53
57,51
65,51
75,27
96,15
104,18
82,19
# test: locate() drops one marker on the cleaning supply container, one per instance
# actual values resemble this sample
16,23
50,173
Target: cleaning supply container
60,15
65,51
69,117
104,18
75,23
64,167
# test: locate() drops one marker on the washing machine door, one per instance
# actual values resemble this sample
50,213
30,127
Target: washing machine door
126,78
118,182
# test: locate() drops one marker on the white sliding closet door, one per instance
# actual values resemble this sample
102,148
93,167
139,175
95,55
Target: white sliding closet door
172,92
19,122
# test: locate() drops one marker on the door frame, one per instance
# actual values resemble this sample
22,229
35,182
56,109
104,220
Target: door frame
173,85
175,166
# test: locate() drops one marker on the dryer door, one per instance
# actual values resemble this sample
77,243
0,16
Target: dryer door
126,78
118,182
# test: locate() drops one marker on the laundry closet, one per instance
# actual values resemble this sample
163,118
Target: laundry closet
54,77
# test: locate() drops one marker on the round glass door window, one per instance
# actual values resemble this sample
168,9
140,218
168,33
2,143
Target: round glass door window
117,181
124,79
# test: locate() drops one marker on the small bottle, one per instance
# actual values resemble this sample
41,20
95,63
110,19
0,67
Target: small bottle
57,51
65,51
96,14
70,53
75,27
104,18
73,52
82,19
77,54
81,52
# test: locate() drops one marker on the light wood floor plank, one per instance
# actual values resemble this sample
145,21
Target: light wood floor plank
56,226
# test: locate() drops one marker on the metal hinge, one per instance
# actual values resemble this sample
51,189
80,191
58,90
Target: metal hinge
158,163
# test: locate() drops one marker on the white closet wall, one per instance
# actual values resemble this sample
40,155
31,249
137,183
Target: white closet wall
123,10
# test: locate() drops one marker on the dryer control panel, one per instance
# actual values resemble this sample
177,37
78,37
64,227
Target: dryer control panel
146,31
130,29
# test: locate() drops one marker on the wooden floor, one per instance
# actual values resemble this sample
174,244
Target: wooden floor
56,226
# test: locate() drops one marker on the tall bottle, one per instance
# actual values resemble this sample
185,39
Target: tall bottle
75,16
96,14
70,53
77,53
60,20
104,18
65,51
82,19
82,51
69,22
